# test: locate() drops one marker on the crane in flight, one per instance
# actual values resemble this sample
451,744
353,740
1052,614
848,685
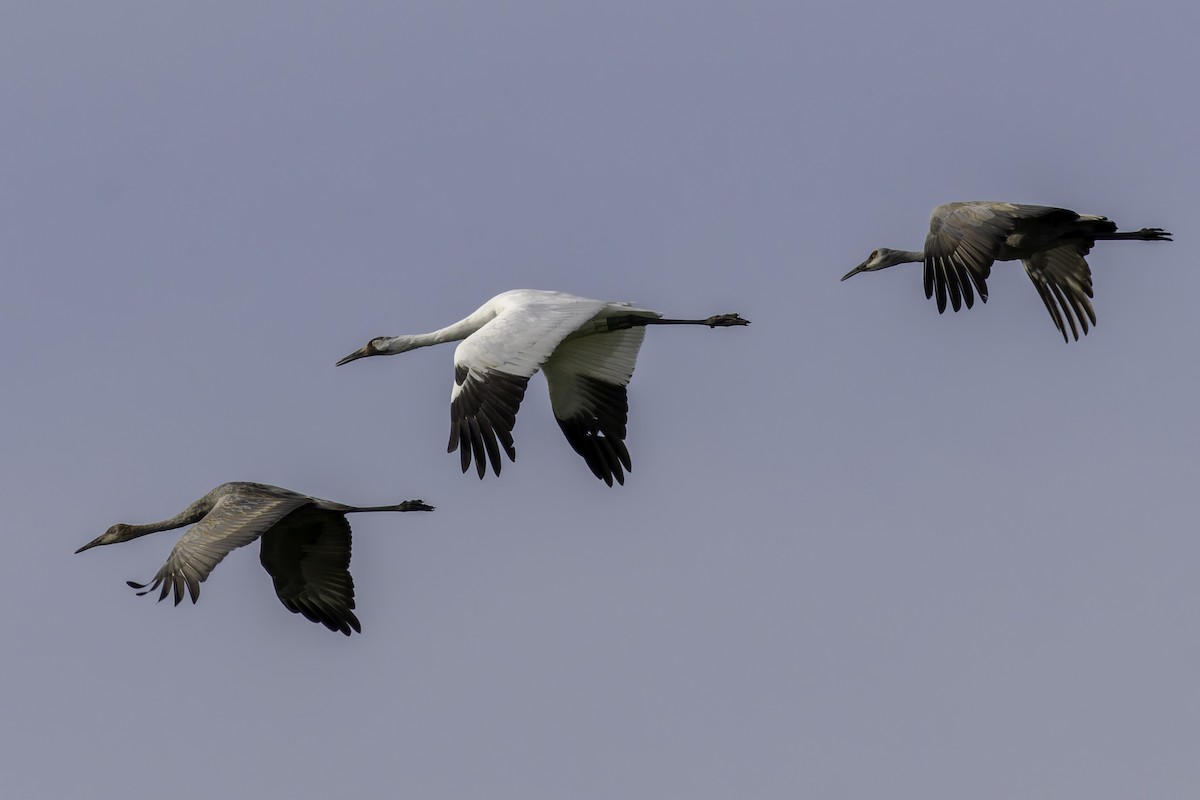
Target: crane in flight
587,349
966,238
305,547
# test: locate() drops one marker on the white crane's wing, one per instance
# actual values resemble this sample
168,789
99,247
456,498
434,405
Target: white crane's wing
234,521
308,556
587,377
1064,282
963,242
492,367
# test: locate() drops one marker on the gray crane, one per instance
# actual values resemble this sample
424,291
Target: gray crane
965,238
305,547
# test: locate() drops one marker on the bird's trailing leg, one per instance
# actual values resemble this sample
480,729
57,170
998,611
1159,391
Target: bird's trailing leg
407,505
413,505
1144,235
715,321
722,321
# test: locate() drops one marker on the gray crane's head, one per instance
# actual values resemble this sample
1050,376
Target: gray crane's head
879,259
117,533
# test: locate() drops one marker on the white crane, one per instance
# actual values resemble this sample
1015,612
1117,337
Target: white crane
587,348
965,238
305,547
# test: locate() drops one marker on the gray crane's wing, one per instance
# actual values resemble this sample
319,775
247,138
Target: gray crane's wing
492,367
964,239
234,521
308,557
1064,282
587,377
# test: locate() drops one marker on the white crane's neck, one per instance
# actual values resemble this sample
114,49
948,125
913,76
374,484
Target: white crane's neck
451,333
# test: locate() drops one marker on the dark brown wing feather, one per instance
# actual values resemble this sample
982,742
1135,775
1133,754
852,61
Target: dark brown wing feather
963,242
236,520
308,557
1064,282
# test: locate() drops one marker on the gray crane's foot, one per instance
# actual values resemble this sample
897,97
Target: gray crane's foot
1155,235
725,321
415,505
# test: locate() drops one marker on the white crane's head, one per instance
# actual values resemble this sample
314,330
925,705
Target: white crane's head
382,346
880,259
117,533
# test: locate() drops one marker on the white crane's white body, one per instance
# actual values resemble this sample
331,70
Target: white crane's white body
519,331
587,349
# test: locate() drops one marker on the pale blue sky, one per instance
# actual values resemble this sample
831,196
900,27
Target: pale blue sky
865,551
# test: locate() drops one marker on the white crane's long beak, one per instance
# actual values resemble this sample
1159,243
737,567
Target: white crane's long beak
860,268
357,354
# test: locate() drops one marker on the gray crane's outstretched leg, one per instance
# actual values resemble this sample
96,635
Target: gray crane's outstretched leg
1144,235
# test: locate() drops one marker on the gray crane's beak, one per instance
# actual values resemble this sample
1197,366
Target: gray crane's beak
357,354
860,268
89,545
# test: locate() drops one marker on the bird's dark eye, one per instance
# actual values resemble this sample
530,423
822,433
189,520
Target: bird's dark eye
871,257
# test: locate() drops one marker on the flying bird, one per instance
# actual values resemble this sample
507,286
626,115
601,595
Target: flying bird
965,238
305,547
587,349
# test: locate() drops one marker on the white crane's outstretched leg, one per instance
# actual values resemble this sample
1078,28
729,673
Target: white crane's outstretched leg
715,321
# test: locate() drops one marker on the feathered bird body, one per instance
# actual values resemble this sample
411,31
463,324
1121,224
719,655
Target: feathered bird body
965,239
587,350
305,547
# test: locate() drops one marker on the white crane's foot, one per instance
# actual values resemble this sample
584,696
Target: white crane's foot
725,321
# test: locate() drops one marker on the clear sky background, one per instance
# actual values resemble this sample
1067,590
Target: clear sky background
865,551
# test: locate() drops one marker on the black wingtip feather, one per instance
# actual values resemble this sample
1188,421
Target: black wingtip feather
482,416
939,283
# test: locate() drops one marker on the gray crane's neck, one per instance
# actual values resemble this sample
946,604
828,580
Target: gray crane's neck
189,516
905,256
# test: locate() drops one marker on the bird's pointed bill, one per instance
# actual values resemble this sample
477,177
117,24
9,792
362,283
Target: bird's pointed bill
357,354
89,545
861,267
